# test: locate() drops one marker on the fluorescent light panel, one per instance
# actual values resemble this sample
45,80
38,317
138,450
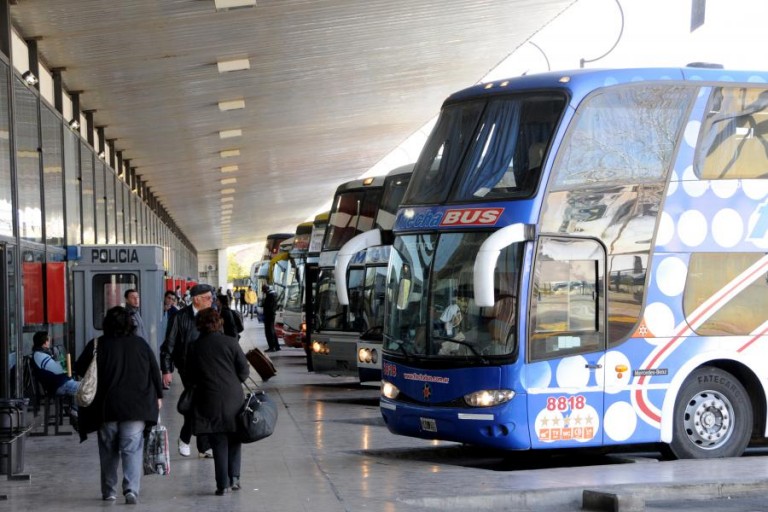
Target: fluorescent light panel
228,181
226,66
228,153
227,199
226,191
225,5
231,105
228,134
229,168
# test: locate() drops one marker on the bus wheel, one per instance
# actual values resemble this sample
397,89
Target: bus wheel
713,416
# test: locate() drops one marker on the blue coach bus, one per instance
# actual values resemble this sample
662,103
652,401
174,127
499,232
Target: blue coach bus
580,260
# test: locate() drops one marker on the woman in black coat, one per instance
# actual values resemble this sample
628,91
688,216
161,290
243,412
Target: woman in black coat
128,398
217,367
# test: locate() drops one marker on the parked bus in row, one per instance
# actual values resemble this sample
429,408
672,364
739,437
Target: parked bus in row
580,260
260,269
293,314
335,326
280,274
363,260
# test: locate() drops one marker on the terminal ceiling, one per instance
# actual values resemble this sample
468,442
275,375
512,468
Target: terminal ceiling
333,86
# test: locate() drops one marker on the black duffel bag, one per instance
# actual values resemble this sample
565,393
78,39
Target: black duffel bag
257,417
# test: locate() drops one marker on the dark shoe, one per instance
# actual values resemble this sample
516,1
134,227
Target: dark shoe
220,492
131,498
270,350
236,484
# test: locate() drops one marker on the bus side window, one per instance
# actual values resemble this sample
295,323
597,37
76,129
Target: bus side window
734,142
567,305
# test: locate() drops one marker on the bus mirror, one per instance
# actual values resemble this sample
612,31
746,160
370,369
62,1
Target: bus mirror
403,294
360,242
488,254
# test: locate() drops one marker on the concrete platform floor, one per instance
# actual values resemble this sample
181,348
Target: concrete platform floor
332,453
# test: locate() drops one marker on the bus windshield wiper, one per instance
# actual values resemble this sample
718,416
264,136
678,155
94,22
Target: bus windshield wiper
464,343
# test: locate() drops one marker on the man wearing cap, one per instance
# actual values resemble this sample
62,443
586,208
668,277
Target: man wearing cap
173,353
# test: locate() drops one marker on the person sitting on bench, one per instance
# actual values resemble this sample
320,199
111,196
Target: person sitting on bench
50,374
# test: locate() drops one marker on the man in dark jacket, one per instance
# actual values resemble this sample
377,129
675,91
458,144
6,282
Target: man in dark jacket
269,305
173,353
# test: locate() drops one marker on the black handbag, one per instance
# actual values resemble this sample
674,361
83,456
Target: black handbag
257,417
186,401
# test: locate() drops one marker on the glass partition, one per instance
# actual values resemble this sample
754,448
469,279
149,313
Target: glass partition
53,177
28,181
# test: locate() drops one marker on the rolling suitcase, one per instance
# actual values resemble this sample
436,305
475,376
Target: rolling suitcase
157,456
261,363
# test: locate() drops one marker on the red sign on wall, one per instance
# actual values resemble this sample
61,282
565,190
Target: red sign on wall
32,279
56,292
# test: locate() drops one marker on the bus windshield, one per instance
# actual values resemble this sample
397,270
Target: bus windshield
497,146
430,306
352,213
294,288
332,316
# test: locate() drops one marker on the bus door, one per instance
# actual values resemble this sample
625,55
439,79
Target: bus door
566,343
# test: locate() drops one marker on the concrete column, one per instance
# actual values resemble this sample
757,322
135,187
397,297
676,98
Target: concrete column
223,269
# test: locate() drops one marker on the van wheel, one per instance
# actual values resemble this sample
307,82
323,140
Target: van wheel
712,418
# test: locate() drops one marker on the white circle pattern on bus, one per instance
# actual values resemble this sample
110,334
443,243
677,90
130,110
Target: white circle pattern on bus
670,276
620,421
692,228
727,228
572,372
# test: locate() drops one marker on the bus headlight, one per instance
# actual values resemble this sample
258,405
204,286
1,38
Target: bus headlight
489,397
317,347
364,355
389,390
374,356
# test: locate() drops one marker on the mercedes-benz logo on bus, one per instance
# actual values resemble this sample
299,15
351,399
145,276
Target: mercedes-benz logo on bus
427,391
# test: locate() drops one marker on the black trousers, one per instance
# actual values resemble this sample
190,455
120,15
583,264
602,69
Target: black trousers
226,458
269,332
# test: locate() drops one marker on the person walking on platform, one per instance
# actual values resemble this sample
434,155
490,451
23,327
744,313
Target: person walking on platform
269,308
216,367
233,325
128,398
173,353
132,305
250,300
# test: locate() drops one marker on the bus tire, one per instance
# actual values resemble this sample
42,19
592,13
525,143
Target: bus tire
712,416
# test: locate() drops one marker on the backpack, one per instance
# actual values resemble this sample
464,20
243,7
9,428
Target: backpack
238,320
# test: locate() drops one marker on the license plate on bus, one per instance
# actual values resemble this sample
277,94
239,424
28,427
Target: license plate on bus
428,424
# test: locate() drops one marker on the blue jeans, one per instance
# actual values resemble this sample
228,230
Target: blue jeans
69,388
124,441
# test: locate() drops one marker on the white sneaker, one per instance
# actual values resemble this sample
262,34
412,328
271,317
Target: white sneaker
184,450
206,455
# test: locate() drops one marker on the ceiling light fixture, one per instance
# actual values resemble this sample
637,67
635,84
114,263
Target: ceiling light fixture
228,5
228,153
226,66
231,105
227,199
102,155
228,181
30,78
74,124
228,134
229,168
225,191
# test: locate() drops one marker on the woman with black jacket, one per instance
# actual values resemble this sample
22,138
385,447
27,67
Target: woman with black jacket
217,367
128,398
